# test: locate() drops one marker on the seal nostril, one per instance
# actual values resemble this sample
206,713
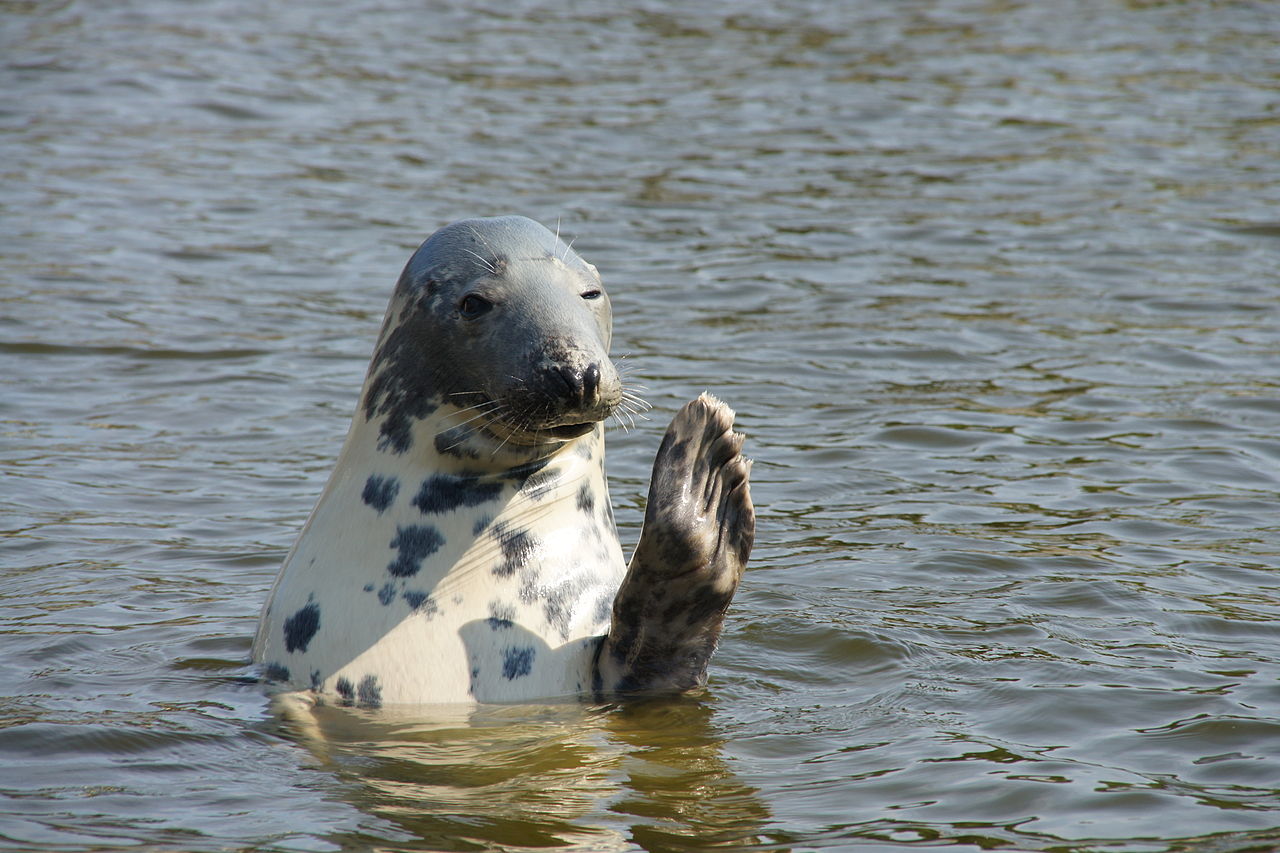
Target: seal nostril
590,381
570,388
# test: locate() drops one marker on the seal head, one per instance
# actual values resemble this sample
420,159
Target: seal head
501,319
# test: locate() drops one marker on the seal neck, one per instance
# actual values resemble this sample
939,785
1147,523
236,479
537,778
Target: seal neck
450,439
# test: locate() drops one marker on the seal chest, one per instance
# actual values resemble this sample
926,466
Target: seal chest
464,547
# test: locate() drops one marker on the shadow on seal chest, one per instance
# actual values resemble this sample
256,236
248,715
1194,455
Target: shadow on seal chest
464,547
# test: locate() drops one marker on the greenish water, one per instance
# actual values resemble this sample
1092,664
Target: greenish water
992,285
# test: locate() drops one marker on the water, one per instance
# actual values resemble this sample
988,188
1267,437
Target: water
992,285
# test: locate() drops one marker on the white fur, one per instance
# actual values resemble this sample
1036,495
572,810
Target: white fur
430,657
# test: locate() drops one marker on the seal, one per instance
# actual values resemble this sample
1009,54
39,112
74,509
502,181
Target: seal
464,547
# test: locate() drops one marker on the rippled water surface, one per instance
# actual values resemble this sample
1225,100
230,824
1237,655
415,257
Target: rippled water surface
992,285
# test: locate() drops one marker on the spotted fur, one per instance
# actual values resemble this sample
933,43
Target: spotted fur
464,547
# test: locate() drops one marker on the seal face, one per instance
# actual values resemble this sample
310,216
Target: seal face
464,548
500,318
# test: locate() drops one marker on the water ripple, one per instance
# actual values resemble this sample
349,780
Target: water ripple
993,292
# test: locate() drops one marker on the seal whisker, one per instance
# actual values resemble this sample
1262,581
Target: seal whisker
634,406
635,401
472,424
476,418
485,407
483,402
624,368
488,264
467,432
501,444
512,429
462,439
475,232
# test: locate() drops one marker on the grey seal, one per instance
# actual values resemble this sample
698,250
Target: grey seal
464,547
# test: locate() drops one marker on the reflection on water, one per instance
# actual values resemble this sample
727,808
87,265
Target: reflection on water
538,776
991,285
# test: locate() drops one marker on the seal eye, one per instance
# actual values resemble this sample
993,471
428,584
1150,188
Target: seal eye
592,294
472,306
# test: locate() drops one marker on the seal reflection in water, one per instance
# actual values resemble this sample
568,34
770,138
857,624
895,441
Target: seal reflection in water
464,547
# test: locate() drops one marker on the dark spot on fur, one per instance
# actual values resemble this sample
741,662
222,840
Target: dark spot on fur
627,612
558,606
597,678
316,680
275,672
369,692
387,594
453,442
705,603
301,627
604,607
520,473
441,493
517,547
482,523
403,390
346,692
501,616
517,662
673,610
538,486
586,499
397,429
368,587
679,451
421,602
380,492
415,543
530,591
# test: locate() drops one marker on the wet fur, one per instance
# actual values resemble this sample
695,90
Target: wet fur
464,548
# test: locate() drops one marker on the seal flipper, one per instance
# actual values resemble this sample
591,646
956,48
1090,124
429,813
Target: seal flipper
698,530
